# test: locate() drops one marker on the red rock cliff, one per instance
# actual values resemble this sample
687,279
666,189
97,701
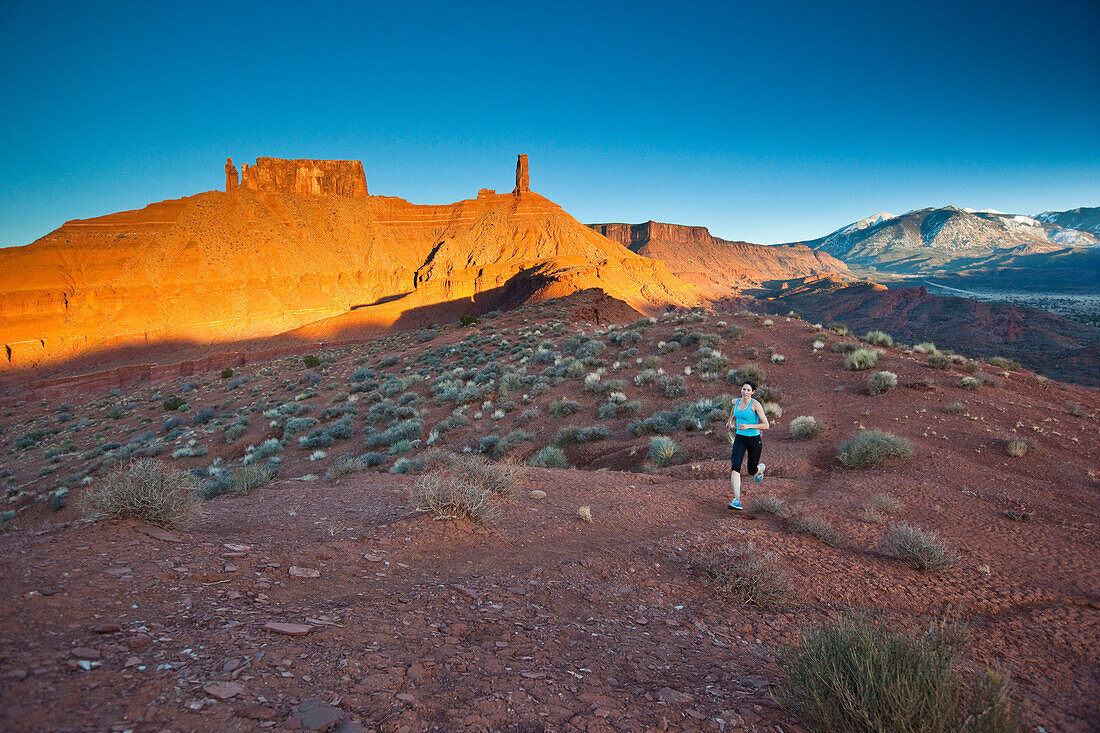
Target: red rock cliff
259,262
307,177
719,267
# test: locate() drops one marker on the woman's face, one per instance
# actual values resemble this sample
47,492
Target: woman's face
746,390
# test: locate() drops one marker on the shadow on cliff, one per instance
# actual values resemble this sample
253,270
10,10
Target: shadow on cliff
127,365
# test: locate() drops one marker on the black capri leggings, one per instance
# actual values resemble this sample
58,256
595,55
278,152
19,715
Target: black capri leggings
751,443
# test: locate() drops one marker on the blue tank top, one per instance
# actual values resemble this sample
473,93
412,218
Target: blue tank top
747,416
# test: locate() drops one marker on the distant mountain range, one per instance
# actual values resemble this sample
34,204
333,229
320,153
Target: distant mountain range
1084,219
939,241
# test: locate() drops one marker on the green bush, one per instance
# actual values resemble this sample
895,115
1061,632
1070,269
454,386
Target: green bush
746,373
549,457
467,321
146,490
880,383
871,448
861,359
939,361
226,373
925,347
886,504
968,383
918,548
241,481
954,408
839,329
561,408
311,361
843,347
663,450
878,338
1003,363
174,403
855,675
805,427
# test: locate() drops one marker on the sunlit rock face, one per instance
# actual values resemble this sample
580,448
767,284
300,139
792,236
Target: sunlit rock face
270,256
719,267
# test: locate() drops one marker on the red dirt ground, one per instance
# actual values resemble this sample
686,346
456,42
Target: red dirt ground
541,621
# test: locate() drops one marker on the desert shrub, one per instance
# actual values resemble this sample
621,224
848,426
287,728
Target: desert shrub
815,526
549,457
311,361
403,445
645,377
467,321
925,347
839,328
174,403
843,347
663,450
170,424
988,380
871,448
236,430
880,383
768,393
918,548
766,504
226,373
240,481
607,411
746,373
590,349
856,675
299,425
363,374
861,359
561,408
672,386
573,434
346,466
887,504
146,490
203,416
954,408
267,449
319,438
404,430
713,364
1002,363
510,441
464,488
805,427
747,575
939,361
968,383
751,352
777,359
372,459
972,367
878,338
1016,447
1074,408
735,332
773,410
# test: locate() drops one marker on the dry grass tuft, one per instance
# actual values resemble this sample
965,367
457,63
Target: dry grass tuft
766,504
918,548
750,576
887,504
815,526
464,487
1016,447
585,514
146,490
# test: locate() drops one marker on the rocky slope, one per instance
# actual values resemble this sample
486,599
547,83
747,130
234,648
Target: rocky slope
720,267
1048,343
281,251
536,620
936,240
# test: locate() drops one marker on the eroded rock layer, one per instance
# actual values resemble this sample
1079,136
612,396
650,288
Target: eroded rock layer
252,263
719,267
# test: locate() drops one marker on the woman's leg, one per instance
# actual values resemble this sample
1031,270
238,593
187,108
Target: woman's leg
735,480
737,455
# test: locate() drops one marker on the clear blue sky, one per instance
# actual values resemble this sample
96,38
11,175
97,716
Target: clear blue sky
767,122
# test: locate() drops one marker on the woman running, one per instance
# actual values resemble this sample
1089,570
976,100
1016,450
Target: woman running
747,419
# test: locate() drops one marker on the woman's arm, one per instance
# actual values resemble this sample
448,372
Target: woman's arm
759,410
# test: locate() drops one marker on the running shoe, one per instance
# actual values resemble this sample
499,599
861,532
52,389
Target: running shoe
735,504
759,474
